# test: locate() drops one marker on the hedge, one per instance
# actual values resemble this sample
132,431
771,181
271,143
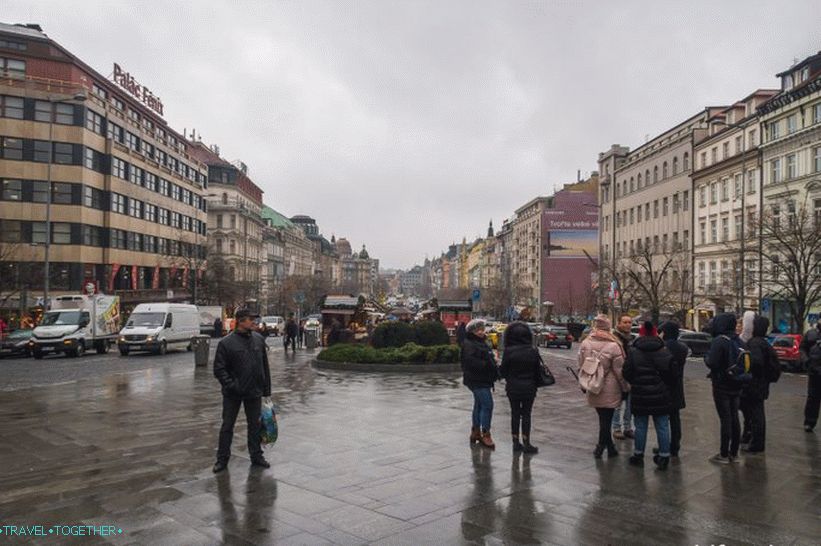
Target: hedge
398,334
408,353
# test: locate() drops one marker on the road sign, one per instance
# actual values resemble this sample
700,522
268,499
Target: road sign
765,305
299,297
477,294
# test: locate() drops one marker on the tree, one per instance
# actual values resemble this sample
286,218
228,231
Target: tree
790,254
217,286
11,283
656,282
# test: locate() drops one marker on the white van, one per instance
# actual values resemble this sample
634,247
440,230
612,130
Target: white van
272,325
157,327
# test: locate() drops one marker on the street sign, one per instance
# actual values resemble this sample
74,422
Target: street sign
765,305
299,298
812,318
477,294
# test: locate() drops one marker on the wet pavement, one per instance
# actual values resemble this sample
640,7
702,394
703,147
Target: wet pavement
367,458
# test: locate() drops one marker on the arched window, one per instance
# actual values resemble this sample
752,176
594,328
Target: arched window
664,171
224,198
632,184
686,162
655,174
639,180
647,177
675,166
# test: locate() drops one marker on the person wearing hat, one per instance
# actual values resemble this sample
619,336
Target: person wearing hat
241,367
603,346
479,373
649,371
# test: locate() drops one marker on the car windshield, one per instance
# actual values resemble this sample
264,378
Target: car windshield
560,331
146,320
268,319
783,342
18,334
61,318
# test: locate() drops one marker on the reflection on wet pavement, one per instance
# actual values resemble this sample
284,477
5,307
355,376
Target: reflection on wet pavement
367,458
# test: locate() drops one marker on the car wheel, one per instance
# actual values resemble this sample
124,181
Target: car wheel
38,354
123,351
101,347
189,348
163,348
80,350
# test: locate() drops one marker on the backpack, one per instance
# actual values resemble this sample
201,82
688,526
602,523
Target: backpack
773,368
591,374
741,362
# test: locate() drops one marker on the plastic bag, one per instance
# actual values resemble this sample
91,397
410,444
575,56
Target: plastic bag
269,430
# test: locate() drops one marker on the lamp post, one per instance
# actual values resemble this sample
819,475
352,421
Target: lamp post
52,100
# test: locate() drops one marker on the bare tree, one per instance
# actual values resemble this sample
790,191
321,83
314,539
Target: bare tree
790,253
656,281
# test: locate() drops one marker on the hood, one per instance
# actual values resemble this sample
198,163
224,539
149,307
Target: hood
724,324
649,343
518,333
57,330
670,330
760,326
747,326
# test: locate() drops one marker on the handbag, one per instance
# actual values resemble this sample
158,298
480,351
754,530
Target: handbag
269,427
544,377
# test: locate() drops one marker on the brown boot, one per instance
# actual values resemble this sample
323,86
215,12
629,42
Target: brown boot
475,435
487,441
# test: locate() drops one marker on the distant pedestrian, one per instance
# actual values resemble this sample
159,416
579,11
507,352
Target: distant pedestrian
241,367
670,332
622,417
604,350
811,356
218,327
460,333
291,333
520,366
479,373
334,333
764,366
301,334
724,351
4,326
649,371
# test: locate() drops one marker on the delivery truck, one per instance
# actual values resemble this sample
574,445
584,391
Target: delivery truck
77,323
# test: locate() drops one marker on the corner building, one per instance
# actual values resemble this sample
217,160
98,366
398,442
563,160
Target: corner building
127,201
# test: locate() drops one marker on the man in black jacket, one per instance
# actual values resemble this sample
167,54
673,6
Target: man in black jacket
813,364
726,390
291,333
670,331
756,391
241,367
622,423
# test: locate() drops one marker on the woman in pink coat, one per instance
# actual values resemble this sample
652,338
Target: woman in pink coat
602,345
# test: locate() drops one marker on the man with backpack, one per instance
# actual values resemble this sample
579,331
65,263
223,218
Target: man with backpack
726,351
670,330
765,369
810,350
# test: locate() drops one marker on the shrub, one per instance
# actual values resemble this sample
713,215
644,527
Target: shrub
408,353
392,334
431,332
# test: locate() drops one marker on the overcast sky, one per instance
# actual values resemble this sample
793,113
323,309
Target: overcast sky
406,125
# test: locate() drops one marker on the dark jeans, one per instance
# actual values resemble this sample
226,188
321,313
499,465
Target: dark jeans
755,422
482,407
813,401
727,405
289,340
520,410
605,419
230,410
675,432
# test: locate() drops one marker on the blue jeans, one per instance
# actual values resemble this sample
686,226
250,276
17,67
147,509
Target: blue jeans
662,425
627,424
482,408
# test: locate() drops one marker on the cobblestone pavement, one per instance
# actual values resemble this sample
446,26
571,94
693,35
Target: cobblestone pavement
367,458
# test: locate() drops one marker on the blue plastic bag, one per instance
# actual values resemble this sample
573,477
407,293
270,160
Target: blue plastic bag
269,430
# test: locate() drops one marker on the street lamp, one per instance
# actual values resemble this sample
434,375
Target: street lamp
52,100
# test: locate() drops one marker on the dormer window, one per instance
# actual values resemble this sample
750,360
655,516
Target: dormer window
786,82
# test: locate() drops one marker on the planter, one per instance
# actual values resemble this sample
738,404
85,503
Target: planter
387,368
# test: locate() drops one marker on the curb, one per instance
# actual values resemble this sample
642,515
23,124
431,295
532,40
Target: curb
386,368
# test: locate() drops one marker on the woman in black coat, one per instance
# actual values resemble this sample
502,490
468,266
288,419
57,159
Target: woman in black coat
479,373
520,366
670,331
753,393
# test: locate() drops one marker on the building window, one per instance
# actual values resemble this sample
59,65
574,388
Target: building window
163,216
714,155
725,189
656,208
792,125
738,144
703,233
632,184
11,107
64,113
638,214
655,174
792,170
13,68
751,182
61,193
725,150
725,229
713,231
175,192
664,206
92,236
219,221
118,168
116,133
737,186
63,153
42,110
739,232
150,180
775,171
135,175
675,166
94,122
702,196
233,221
132,141
93,159
117,238
773,128
38,232
686,161
93,198
632,216
791,213
42,151
99,91
118,203
219,246
817,159
164,186
713,193
664,170
685,200
61,233
135,208
12,190
150,212
647,211
638,181
233,246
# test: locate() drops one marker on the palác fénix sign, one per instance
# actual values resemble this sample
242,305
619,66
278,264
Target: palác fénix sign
140,92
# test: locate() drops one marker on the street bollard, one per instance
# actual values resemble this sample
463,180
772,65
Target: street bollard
202,347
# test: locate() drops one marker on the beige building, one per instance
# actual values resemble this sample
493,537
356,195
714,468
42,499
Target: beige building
646,210
727,184
526,254
125,205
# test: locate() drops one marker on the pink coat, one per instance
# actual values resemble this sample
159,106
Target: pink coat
612,358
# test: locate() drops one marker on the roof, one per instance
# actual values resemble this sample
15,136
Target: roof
341,301
455,304
276,219
799,66
23,30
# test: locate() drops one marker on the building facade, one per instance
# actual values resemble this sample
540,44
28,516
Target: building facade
94,177
526,255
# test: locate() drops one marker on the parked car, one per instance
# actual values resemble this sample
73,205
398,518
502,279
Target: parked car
786,347
556,336
271,325
697,342
17,343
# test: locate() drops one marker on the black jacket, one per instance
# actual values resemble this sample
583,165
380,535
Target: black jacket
648,370
626,340
241,366
762,355
721,355
460,334
291,329
679,352
520,361
478,365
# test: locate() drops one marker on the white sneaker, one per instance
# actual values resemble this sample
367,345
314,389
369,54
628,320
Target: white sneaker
718,459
